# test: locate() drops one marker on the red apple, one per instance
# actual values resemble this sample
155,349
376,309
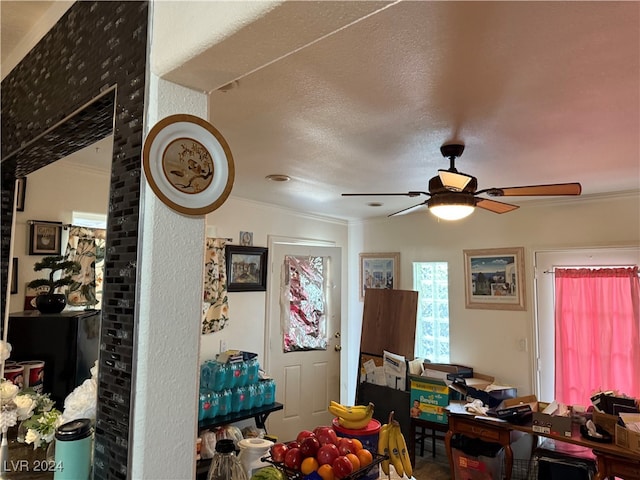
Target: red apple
293,459
304,434
345,445
278,452
342,467
326,435
293,444
309,446
327,454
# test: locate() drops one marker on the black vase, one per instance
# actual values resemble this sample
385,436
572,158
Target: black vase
53,303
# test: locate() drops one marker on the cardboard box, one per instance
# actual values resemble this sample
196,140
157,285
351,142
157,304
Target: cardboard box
551,424
606,421
541,422
443,370
627,439
429,397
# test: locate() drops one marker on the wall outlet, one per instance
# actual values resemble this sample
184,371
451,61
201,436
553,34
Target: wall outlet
223,346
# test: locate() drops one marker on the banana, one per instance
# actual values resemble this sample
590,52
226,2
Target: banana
355,424
354,413
383,447
394,452
404,454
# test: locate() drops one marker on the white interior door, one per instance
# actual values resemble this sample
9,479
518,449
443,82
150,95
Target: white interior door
305,380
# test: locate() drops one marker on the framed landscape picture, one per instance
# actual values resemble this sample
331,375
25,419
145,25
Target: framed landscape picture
494,278
246,268
379,270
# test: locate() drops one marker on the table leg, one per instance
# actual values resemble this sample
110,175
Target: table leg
447,447
433,442
508,461
412,442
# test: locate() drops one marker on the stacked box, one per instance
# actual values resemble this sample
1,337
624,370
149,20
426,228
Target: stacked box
429,397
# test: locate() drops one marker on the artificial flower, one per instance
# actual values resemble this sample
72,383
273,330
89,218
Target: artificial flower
26,405
5,350
42,428
7,390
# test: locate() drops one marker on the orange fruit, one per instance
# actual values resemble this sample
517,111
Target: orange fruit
357,445
365,457
354,460
309,464
326,472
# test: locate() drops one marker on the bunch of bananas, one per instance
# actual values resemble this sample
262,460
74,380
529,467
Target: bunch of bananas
392,445
352,418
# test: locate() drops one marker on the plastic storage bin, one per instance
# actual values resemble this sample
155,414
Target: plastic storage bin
474,459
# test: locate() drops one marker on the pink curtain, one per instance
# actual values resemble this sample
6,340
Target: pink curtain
597,319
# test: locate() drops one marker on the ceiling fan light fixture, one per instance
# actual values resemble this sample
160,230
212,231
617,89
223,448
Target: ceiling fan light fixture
454,181
452,207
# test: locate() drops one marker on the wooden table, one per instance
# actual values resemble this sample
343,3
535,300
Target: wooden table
611,460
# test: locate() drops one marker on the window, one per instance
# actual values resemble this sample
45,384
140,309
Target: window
546,262
431,281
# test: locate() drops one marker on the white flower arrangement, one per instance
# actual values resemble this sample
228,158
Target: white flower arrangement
35,411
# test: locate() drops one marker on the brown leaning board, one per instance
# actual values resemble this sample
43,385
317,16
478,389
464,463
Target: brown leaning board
389,322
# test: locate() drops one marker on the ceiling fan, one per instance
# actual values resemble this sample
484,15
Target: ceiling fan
453,195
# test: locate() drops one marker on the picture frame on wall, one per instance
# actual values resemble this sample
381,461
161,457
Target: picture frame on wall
45,237
14,276
494,278
379,270
246,268
21,190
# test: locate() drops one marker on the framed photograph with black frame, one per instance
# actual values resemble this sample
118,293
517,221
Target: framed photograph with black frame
494,278
21,190
246,268
45,238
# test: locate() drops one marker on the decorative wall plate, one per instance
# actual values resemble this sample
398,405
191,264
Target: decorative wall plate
188,164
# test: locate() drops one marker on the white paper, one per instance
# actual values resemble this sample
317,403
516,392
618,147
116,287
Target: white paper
395,369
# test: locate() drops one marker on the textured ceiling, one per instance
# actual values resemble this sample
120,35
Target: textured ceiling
359,96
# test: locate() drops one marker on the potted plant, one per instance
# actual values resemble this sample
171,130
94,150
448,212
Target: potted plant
50,301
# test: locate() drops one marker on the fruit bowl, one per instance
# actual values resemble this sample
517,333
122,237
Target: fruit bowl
355,475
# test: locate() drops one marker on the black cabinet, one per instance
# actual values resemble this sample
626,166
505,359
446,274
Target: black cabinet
67,342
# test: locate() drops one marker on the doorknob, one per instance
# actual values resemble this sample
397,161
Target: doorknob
338,348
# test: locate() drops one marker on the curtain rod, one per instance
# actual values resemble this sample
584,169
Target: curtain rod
588,266
60,224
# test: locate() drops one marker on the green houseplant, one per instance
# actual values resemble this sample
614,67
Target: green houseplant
50,301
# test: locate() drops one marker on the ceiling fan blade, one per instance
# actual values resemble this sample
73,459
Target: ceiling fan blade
536,190
454,181
407,194
495,206
410,209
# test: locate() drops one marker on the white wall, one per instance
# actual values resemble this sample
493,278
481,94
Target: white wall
490,340
247,310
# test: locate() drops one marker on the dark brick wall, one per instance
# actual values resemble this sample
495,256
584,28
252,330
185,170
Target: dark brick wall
98,49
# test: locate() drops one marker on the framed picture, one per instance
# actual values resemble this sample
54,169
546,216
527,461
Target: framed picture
379,270
21,189
246,268
44,238
14,276
246,239
494,278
